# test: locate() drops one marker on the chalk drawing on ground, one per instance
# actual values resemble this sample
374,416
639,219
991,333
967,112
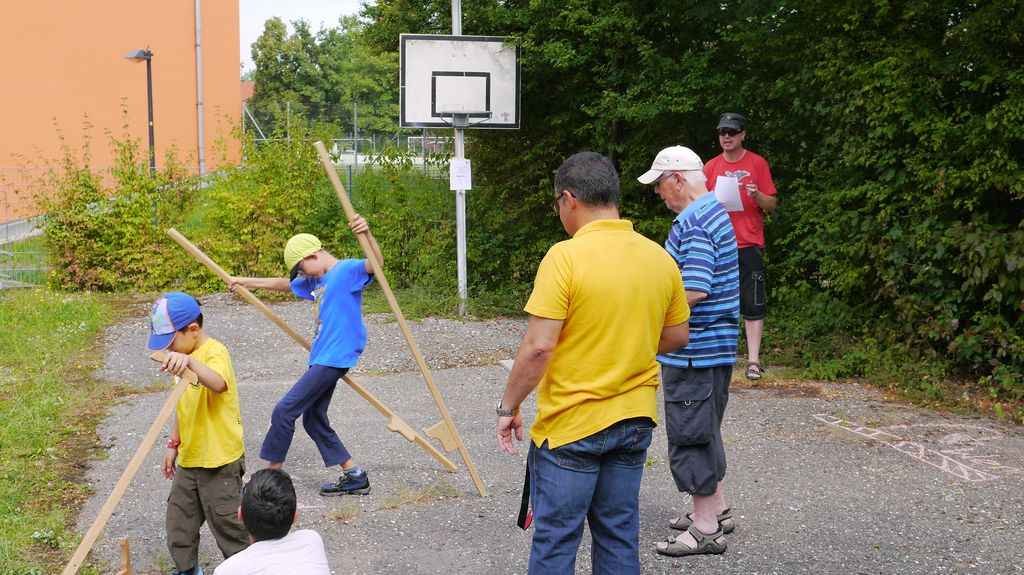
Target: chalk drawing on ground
958,453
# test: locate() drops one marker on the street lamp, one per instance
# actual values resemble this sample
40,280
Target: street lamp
147,55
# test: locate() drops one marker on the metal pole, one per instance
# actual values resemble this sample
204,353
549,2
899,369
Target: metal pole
149,99
460,195
200,113
460,227
456,17
355,133
245,108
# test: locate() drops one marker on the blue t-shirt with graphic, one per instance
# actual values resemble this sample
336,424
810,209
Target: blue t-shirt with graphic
340,333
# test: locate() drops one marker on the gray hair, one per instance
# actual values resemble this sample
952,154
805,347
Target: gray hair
692,176
590,177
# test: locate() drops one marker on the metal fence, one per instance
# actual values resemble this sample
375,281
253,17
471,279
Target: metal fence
22,262
22,254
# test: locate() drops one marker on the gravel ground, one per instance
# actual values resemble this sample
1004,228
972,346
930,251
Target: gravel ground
811,495
260,350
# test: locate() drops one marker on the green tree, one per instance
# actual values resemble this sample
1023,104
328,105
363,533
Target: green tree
319,76
893,128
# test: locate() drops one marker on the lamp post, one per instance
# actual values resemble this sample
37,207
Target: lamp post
147,55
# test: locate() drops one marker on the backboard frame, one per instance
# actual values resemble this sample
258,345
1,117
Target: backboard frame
445,118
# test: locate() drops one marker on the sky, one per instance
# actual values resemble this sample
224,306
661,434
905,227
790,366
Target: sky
319,13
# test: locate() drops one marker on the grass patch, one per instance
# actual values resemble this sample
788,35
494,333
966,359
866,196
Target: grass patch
436,491
822,339
49,407
346,513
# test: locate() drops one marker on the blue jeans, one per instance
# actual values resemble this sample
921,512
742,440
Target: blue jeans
595,478
309,397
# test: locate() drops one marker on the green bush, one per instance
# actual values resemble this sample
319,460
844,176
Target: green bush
113,237
107,239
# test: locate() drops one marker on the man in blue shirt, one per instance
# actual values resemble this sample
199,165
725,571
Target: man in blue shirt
336,286
696,377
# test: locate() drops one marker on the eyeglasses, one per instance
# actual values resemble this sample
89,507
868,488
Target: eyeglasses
665,176
728,132
558,200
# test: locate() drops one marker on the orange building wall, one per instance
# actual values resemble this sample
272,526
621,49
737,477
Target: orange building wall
62,61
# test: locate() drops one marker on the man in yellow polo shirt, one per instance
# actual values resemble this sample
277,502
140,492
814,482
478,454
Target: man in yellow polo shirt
604,304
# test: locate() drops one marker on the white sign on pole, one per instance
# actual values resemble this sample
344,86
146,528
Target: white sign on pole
460,175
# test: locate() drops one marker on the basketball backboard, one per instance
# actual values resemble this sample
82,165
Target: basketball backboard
474,79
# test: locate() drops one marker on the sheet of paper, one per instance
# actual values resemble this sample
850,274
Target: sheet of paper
460,175
727,190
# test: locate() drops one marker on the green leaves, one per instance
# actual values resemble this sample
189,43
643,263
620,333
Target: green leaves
895,132
319,76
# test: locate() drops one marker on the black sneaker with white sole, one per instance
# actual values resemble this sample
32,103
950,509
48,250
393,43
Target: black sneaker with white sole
353,482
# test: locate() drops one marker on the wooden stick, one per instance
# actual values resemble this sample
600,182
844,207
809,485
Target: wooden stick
126,559
395,423
126,477
378,275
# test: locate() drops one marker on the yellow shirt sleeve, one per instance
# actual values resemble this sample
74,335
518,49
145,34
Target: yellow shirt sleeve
218,360
551,287
678,310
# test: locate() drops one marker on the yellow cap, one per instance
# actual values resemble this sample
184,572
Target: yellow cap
299,247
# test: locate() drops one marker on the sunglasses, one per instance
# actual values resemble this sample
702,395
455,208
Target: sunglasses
728,132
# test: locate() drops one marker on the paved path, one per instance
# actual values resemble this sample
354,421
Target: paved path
823,478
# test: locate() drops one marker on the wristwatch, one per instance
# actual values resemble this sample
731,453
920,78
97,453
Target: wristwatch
502,412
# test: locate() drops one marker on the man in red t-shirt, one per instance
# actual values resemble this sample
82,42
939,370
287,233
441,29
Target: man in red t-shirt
757,192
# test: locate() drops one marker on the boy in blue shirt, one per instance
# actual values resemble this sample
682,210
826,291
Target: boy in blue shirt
336,286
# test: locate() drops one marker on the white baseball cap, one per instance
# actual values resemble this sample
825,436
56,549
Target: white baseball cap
673,159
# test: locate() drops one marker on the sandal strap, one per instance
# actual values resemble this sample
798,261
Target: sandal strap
702,538
684,521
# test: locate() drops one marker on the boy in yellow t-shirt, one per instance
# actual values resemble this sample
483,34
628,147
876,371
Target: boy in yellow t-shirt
206,435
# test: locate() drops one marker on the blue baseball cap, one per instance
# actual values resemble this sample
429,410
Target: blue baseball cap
172,312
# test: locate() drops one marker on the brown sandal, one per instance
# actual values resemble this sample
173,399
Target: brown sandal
725,521
754,371
707,544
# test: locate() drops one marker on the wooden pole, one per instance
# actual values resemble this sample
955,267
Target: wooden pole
395,423
378,275
126,559
126,477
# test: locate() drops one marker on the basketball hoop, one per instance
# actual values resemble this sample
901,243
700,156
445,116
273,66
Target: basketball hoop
462,119
459,82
